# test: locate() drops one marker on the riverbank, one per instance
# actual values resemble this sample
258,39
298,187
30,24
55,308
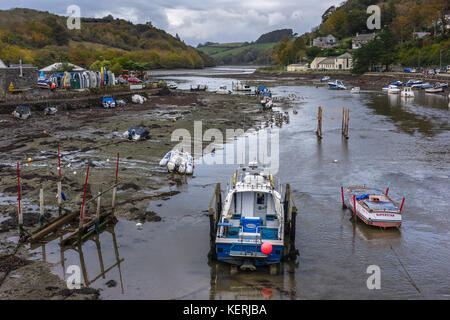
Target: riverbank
93,136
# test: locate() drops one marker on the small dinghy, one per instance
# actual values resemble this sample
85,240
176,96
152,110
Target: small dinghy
251,227
178,161
336,85
50,111
435,89
138,99
22,112
393,89
266,99
108,103
238,86
325,78
373,207
356,90
224,90
200,87
136,133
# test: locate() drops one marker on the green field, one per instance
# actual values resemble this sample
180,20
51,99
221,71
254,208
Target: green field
221,50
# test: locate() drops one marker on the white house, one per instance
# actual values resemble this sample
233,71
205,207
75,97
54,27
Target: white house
342,62
362,39
325,42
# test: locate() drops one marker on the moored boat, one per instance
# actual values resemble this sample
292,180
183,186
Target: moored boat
435,89
108,102
251,222
393,89
224,90
178,161
336,85
238,86
407,92
355,90
136,133
373,207
266,99
22,112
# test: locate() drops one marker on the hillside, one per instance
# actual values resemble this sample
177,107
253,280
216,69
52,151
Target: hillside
395,43
42,38
258,52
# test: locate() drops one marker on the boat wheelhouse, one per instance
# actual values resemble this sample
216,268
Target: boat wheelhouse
251,222
336,85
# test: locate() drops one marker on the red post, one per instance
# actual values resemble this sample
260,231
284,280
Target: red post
59,163
387,190
342,194
354,203
117,168
84,196
403,202
18,191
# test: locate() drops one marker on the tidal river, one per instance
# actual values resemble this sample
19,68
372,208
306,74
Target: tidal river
404,142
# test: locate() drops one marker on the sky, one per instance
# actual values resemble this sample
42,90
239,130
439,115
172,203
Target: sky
198,21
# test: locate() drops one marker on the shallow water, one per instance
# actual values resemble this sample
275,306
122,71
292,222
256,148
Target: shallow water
391,139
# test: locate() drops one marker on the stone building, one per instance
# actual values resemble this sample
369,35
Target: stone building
362,39
20,75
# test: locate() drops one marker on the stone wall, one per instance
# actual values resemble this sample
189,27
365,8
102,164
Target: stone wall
27,80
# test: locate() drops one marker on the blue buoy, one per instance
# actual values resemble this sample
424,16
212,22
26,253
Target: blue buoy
63,196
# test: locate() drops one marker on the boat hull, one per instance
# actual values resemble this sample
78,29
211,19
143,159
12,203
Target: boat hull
240,254
374,219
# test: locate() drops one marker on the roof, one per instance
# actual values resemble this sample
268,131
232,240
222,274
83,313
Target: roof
59,64
2,65
345,56
329,60
364,37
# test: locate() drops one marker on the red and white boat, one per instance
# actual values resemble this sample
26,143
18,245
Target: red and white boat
373,207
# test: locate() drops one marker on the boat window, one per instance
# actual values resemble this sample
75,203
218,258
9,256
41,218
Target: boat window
260,199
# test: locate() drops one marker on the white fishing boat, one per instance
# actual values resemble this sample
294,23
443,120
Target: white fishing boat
373,207
178,161
355,90
250,228
138,99
324,78
238,86
224,90
393,89
50,111
407,93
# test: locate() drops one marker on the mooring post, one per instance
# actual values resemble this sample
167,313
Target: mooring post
113,204
20,217
41,205
342,194
98,205
388,186
319,123
59,183
354,205
84,197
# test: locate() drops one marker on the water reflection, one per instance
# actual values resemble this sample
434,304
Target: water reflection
253,285
77,247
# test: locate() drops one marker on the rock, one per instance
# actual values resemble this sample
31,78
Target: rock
111,284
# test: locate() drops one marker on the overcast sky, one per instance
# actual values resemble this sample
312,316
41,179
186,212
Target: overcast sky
199,20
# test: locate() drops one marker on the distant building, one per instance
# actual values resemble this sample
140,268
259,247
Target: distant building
362,39
298,67
421,35
325,42
50,69
342,62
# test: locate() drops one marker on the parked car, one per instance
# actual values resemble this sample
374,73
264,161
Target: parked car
134,80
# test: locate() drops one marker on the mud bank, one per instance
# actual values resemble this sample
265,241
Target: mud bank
92,136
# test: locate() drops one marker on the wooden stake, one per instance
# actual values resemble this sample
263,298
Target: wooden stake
18,198
84,197
98,204
41,204
319,123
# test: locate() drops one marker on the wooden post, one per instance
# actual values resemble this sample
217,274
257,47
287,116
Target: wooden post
319,123
345,120
98,205
41,204
84,197
113,204
18,198
354,206
342,194
59,183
